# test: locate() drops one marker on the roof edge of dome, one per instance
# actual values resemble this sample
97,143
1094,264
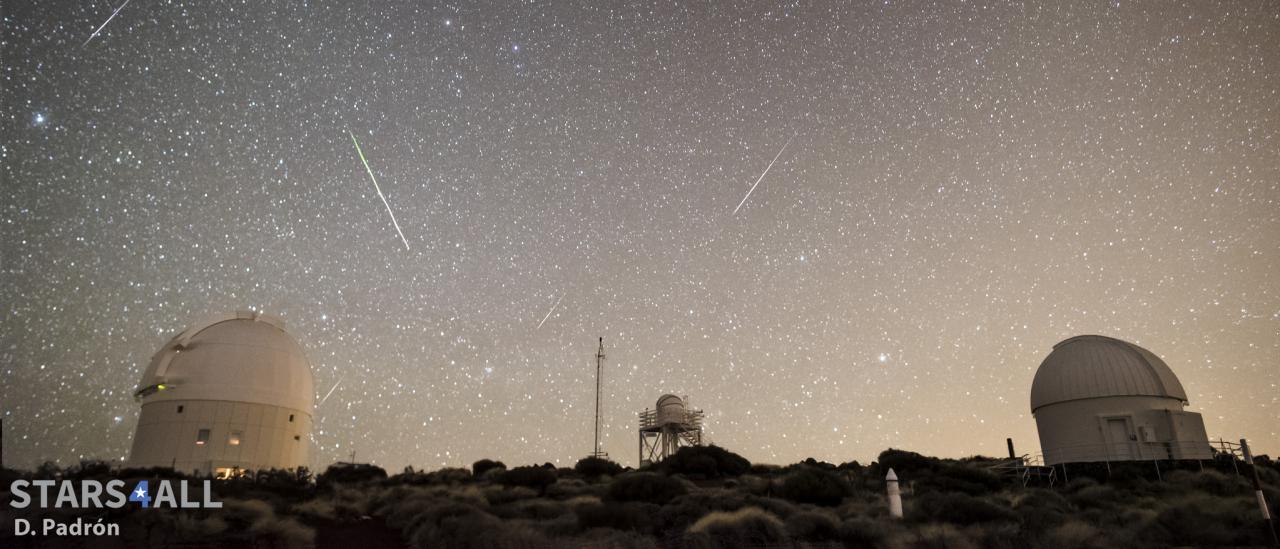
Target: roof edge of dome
214,319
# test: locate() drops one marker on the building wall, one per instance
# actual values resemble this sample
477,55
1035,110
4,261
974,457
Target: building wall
1120,429
268,438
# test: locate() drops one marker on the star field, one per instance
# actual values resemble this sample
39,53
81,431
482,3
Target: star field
967,184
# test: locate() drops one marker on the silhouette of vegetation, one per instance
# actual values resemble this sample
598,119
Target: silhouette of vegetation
748,527
705,462
948,503
483,466
531,476
350,473
647,487
592,467
809,484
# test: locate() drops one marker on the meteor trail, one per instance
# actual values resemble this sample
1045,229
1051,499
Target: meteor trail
379,189
104,23
335,387
553,309
766,172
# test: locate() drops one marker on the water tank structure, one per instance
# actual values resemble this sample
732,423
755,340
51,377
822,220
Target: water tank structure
1099,399
230,394
667,427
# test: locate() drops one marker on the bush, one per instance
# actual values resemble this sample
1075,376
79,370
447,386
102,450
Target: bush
1208,522
748,527
350,473
960,509
531,476
593,467
480,467
706,462
860,532
816,486
969,479
902,461
942,536
813,526
628,515
646,487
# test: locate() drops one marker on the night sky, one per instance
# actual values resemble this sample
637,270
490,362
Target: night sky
965,185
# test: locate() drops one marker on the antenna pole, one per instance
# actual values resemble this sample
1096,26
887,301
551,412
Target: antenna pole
595,451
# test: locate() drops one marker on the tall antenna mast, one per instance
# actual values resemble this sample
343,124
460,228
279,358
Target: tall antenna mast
595,451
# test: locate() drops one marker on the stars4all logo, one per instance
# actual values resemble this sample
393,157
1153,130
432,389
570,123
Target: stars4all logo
140,494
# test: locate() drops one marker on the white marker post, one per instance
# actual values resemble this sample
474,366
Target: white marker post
895,495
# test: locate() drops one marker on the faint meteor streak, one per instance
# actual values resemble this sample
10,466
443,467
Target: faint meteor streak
379,189
104,23
766,172
553,309
335,387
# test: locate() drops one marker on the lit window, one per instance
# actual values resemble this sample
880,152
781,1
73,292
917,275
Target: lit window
202,437
233,439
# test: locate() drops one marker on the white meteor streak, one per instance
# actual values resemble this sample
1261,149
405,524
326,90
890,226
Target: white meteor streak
766,172
553,309
104,23
379,189
335,387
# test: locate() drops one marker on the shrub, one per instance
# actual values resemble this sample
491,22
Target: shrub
647,487
480,467
1040,510
902,461
449,475
614,539
531,476
628,515
350,473
969,479
706,462
861,532
1205,521
593,467
1075,534
813,526
748,527
816,486
942,536
958,509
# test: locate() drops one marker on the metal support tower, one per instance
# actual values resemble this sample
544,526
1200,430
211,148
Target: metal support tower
595,448
662,437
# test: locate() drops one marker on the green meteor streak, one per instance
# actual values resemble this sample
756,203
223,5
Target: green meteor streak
379,189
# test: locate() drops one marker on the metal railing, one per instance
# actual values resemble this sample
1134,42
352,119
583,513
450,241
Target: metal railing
1131,450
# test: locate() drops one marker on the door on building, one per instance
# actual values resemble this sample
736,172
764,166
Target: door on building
1119,445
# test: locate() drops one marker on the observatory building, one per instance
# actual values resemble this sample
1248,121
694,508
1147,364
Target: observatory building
1098,399
232,393
670,425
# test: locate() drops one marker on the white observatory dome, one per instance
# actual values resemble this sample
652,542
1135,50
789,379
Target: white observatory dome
230,394
1092,366
243,357
1099,399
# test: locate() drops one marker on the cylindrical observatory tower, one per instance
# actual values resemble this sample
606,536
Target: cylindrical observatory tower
230,394
668,427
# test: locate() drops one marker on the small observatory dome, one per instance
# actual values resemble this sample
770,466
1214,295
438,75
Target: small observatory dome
1096,398
229,394
670,410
